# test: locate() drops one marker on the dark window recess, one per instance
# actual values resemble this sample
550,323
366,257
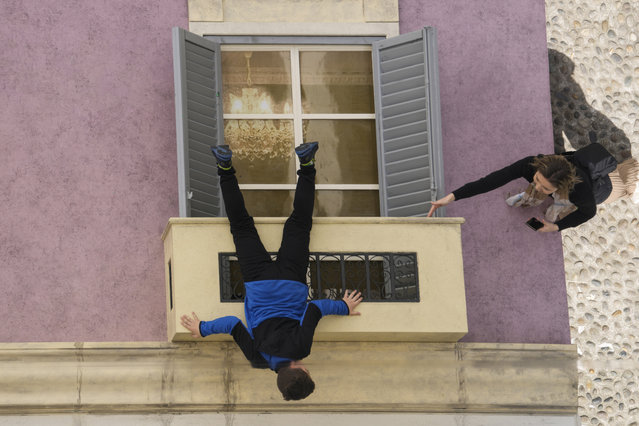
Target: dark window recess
381,277
170,287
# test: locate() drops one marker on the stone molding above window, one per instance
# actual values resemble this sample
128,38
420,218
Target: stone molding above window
288,17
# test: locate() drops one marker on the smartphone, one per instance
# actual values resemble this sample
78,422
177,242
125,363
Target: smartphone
534,224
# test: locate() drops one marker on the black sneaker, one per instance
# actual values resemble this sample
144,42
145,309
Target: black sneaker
306,153
222,154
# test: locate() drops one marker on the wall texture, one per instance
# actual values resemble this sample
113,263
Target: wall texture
595,64
87,161
350,377
87,165
495,110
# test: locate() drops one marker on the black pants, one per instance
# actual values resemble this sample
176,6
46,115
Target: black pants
292,258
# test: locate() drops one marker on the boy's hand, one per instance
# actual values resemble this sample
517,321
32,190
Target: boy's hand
352,299
191,324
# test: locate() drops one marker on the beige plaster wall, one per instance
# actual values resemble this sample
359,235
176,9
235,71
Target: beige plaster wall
279,419
193,244
117,378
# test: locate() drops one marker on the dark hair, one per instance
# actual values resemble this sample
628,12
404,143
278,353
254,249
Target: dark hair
294,383
558,170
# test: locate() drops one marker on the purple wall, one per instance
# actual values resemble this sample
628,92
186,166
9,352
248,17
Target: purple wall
87,162
88,167
495,110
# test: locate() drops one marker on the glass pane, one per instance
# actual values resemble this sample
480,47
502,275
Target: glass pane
346,203
262,150
267,203
256,82
348,152
337,82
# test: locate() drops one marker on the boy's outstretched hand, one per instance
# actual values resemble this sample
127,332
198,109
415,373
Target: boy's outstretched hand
191,324
352,299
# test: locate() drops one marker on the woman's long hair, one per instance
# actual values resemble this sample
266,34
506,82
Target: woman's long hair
558,170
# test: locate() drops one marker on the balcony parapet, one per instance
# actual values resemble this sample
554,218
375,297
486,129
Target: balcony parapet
192,247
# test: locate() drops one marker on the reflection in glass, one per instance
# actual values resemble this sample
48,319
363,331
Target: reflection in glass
346,203
337,82
348,152
262,150
273,203
264,203
256,82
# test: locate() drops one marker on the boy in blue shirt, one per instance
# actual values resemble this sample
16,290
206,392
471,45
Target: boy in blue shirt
280,321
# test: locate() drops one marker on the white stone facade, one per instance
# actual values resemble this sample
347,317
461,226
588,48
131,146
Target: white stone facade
600,37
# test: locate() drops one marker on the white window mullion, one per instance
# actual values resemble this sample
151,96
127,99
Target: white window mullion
338,116
335,48
267,186
296,84
258,116
346,187
319,186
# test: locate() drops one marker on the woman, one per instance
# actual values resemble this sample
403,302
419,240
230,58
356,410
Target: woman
577,181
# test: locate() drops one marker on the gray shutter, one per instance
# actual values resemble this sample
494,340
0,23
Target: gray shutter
408,123
199,122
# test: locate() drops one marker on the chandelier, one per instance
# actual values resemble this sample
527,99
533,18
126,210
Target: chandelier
257,139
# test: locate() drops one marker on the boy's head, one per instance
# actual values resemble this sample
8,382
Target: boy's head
294,382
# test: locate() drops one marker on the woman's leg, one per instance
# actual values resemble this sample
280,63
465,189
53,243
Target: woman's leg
529,198
560,208
624,180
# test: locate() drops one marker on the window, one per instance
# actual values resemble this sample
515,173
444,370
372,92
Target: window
279,96
374,108
380,277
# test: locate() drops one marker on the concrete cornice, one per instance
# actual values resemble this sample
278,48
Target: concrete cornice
350,377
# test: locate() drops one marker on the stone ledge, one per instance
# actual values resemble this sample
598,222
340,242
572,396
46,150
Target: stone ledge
384,29
350,376
327,11
318,220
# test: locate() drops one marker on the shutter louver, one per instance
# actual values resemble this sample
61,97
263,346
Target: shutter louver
408,123
199,122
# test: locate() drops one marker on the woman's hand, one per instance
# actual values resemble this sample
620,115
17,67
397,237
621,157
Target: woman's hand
441,203
548,227
352,299
191,324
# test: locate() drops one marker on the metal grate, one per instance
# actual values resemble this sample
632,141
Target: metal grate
381,277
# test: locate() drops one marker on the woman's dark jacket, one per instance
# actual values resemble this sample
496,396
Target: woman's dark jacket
582,195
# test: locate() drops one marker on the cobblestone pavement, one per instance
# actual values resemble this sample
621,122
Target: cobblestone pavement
594,63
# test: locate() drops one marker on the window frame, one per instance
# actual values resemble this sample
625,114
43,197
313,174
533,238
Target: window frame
297,115
407,117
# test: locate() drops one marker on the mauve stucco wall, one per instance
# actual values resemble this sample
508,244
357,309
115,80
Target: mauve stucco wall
88,167
495,99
